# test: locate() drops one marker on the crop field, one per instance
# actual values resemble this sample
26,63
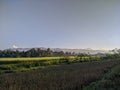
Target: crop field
29,59
41,58
23,64
110,81
66,76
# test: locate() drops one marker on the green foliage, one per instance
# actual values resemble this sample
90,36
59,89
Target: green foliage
111,56
88,58
34,52
18,64
110,81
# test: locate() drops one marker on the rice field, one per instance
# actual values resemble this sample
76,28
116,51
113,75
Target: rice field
23,64
30,59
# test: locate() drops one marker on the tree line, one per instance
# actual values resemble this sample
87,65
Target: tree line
34,52
38,52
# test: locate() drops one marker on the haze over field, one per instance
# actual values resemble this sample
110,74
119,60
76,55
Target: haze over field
60,23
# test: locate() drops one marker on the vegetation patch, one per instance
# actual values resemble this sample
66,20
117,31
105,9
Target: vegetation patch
110,81
24,64
59,77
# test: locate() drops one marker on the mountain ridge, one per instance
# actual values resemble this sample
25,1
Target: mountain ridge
87,51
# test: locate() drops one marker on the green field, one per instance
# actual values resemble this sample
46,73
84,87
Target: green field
66,73
46,58
30,59
23,64
110,81
73,76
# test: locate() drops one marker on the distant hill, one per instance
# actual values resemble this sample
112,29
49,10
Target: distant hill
88,50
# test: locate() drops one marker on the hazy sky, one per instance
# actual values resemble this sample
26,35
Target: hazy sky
60,23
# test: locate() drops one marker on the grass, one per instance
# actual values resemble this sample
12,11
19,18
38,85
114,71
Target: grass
59,77
47,58
30,59
23,64
35,59
110,81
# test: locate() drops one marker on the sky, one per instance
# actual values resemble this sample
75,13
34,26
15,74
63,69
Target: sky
60,24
